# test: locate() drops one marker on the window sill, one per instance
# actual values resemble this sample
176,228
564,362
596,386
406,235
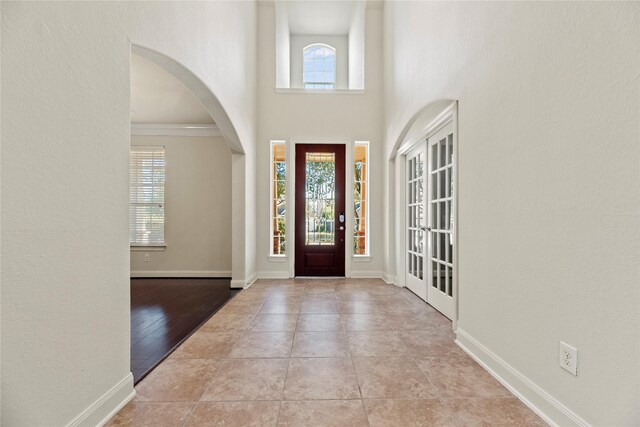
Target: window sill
321,91
361,258
278,258
150,248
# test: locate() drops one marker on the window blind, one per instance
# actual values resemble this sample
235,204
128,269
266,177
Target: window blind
146,203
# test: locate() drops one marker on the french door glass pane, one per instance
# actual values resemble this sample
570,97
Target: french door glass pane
320,198
443,152
434,185
442,180
434,157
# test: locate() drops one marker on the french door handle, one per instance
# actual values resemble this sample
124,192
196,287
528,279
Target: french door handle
425,228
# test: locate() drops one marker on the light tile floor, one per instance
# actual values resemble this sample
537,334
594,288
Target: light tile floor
352,352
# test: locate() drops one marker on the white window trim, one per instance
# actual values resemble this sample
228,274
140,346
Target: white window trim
159,246
148,248
367,249
272,256
335,68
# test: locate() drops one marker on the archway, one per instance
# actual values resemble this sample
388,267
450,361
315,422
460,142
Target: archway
418,124
201,241
239,159
200,90
421,125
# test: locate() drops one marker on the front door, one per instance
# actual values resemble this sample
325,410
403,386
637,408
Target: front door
320,210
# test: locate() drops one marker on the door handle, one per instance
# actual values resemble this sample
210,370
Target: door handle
425,228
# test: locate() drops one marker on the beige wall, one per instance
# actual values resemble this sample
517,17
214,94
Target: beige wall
320,118
65,159
197,209
549,207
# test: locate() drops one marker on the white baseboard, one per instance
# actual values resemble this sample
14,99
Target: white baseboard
538,400
273,275
103,409
181,273
389,278
366,274
243,284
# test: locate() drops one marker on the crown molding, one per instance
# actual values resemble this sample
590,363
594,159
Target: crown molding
161,129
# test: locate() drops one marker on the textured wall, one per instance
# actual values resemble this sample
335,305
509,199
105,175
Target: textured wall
65,160
549,205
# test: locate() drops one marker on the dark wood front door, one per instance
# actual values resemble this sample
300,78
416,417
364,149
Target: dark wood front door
320,209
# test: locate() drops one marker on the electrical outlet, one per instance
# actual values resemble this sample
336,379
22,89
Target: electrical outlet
568,358
147,257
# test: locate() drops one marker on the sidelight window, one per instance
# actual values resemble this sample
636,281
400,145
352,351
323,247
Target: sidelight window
361,198
278,197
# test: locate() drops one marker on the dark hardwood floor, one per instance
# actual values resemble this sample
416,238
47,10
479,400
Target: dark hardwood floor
164,312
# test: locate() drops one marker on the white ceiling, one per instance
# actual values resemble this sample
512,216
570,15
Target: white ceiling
317,17
158,97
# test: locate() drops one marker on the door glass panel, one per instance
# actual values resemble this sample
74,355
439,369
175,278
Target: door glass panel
442,181
434,157
446,250
447,224
434,185
411,240
434,274
445,279
450,148
443,216
434,215
443,152
320,199
411,264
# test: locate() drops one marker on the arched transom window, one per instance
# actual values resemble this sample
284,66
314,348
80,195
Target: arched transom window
319,67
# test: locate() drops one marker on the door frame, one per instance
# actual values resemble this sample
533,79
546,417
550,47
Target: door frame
291,189
448,114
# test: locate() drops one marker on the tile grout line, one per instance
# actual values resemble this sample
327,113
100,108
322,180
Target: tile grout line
190,414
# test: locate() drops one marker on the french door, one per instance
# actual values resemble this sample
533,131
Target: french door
440,212
320,210
430,221
416,221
